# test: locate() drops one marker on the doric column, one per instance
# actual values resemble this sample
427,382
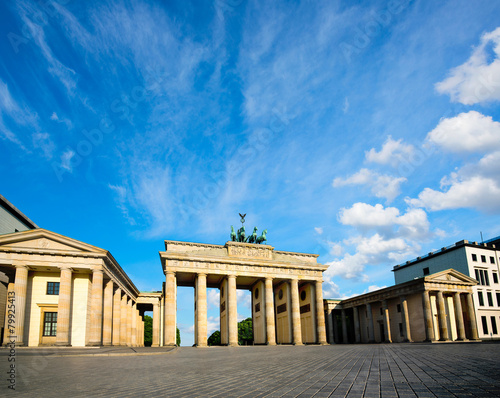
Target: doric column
107,323
459,317
345,339
443,327
20,288
320,314
429,328
170,309
117,315
387,322
64,307
123,320
405,319
357,331
134,325
371,333
10,296
156,325
96,308
232,310
329,317
472,317
129,322
270,326
201,310
297,331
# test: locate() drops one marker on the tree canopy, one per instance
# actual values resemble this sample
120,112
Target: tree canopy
245,334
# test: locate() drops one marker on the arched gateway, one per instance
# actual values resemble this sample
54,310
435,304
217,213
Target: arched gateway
287,297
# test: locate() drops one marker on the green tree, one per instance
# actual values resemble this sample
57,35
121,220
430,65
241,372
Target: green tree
245,332
178,337
214,338
148,330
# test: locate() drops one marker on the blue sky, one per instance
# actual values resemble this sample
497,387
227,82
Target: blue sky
367,132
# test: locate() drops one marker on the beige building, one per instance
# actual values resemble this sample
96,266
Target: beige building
287,297
66,292
437,307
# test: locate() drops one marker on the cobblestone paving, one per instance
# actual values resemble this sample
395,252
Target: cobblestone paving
397,370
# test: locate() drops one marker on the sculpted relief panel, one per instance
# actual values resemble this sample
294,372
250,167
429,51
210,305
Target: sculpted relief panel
249,252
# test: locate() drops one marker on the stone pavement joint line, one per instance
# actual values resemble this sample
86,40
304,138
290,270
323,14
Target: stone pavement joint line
378,371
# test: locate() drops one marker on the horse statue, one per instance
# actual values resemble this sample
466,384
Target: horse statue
241,234
262,238
253,238
233,234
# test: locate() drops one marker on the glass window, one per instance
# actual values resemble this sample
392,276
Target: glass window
474,257
426,271
477,274
498,299
485,325
490,299
483,259
481,274
50,323
398,307
486,278
494,325
481,299
492,260
495,277
53,288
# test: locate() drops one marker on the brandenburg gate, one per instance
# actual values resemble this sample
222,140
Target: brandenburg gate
286,288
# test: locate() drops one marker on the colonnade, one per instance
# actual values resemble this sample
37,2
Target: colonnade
230,306
114,317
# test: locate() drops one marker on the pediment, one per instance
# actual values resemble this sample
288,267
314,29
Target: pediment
40,239
450,276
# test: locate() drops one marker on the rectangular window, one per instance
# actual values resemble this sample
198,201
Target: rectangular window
495,277
498,299
494,325
50,323
474,257
477,275
490,299
53,288
481,274
486,278
426,271
483,259
492,260
481,299
401,330
398,307
485,325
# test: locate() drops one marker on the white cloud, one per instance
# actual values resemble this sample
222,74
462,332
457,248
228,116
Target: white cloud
213,298
66,159
467,132
318,230
392,152
382,186
213,324
478,79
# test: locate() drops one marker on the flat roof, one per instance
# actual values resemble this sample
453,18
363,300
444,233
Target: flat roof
16,212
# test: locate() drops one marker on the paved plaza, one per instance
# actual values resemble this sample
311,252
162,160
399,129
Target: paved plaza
383,370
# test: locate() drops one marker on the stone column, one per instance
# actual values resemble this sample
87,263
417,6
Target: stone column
459,317
429,328
20,288
270,327
64,307
107,323
387,322
123,320
10,296
329,317
472,317
297,331
117,314
232,310
129,323
345,340
170,309
371,333
96,308
201,310
405,320
357,331
156,325
320,314
134,325
443,327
